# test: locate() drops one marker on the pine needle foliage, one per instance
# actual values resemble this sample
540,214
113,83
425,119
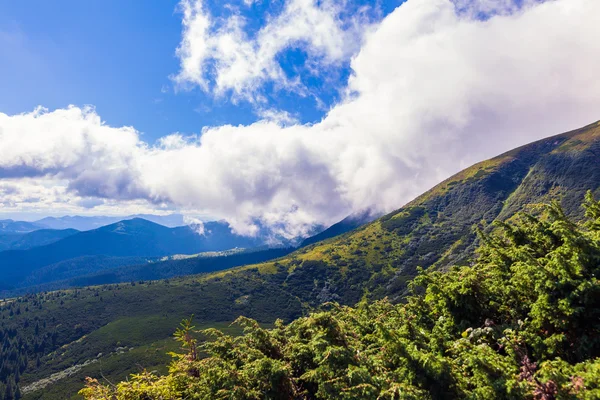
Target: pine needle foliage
523,322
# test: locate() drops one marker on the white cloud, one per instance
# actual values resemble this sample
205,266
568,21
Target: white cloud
33,198
196,224
278,116
218,55
432,92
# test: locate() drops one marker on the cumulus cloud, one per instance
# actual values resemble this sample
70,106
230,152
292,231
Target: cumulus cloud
219,56
432,91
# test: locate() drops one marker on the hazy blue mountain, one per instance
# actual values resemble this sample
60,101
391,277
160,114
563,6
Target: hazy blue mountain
136,249
136,237
80,266
100,270
24,241
85,223
10,226
6,239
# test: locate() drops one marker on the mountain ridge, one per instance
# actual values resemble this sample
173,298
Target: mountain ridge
40,237
86,223
12,226
347,224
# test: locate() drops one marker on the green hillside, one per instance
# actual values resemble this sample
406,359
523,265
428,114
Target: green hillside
523,322
48,333
436,229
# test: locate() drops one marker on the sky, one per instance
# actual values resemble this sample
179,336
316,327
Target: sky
286,113
120,56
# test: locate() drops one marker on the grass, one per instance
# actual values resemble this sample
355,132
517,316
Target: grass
581,139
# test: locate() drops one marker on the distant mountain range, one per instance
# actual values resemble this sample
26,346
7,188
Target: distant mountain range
10,226
24,241
84,223
36,259
130,238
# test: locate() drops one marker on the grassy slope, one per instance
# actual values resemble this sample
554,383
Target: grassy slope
433,230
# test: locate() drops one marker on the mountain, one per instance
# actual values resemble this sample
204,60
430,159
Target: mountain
68,271
41,237
348,224
127,247
101,270
6,239
89,223
91,326
436,229
136,237
10,226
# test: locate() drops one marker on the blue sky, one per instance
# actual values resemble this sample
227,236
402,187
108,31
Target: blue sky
118,56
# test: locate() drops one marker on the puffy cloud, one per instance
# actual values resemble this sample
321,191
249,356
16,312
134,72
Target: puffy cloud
73,144
31,198
219,55
433,90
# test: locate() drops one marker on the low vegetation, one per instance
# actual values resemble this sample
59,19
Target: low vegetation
522,322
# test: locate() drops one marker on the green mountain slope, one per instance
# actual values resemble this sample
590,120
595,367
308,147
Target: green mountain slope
379,258
523,322
435,229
